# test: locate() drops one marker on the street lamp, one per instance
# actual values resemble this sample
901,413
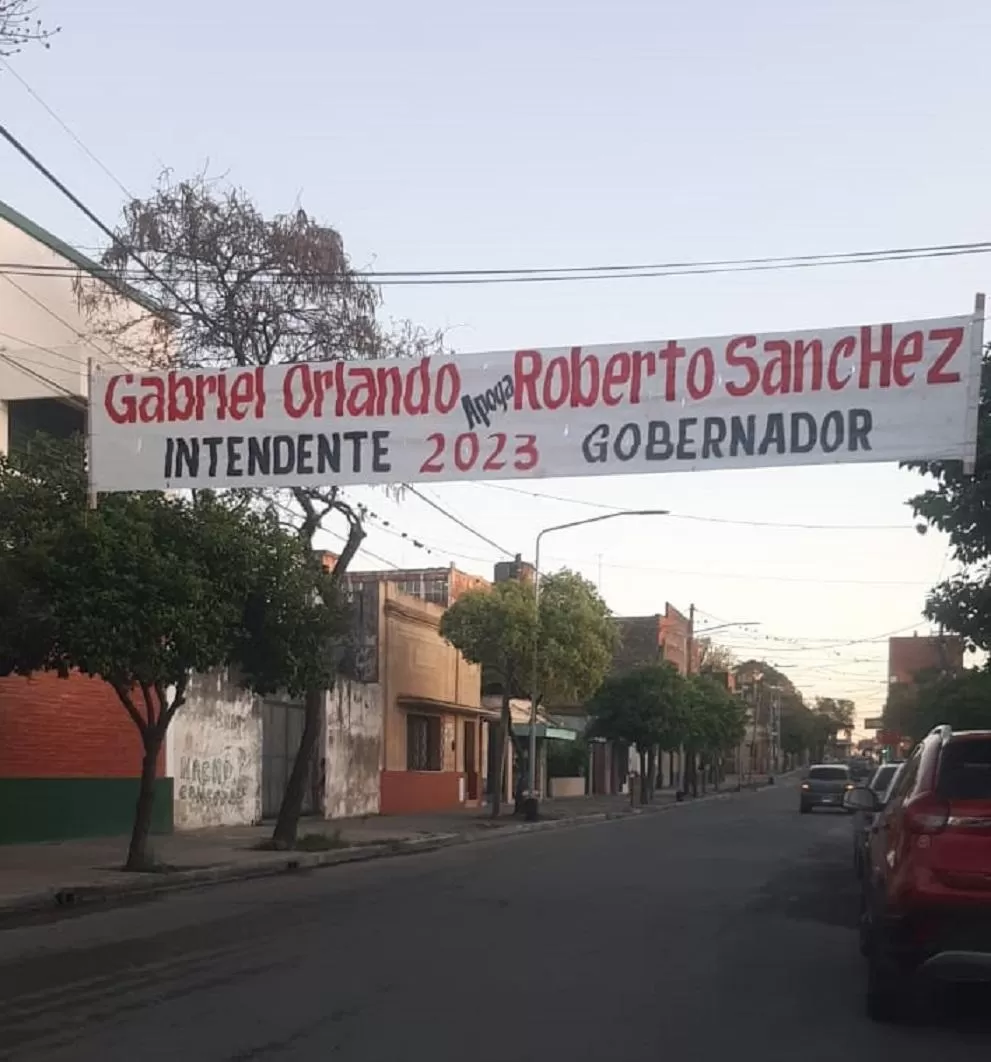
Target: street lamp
531,805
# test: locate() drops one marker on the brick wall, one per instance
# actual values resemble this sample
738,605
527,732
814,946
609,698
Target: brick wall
639,642
65,728
908,656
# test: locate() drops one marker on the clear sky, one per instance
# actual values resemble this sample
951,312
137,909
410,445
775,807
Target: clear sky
476,135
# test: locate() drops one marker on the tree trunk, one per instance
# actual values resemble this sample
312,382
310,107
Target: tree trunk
502,734
651,771
643,775
287,824
137,852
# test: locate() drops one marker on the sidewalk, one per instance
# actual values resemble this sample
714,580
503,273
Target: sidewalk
50,876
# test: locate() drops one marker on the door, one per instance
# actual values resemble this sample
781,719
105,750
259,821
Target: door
471,758
282,732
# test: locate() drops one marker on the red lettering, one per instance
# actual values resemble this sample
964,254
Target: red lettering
953,337
617,374
908,352
323,382
843,349
493,462
182,397
703,357
584,399
126,412
555,398
340,389
361,393
242,395
641,361
418,407
449,376
260,392
526,453
297,376
389,381
737,361
812,347
671,355
776,377
151,406
869,356
466,451
526,372
434,463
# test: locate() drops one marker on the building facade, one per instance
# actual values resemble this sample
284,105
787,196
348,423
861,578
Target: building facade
908,657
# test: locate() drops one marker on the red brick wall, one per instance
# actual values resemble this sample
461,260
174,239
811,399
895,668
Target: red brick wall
405,792
65,728
908,656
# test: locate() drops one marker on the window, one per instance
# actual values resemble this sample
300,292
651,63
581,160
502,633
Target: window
829,774
965,770
905,779
422,743
884,777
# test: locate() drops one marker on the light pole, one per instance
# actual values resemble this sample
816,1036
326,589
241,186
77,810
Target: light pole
532,805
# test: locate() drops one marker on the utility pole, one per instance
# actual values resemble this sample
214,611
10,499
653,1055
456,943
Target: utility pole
690,641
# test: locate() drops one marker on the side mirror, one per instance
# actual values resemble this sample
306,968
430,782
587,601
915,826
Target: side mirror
861,799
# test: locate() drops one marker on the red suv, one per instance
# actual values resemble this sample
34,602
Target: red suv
926,911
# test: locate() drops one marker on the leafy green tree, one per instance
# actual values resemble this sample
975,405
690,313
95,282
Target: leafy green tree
146,589
494,627
716,722
962,700
647,707
959,504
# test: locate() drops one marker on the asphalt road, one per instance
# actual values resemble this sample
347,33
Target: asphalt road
715,931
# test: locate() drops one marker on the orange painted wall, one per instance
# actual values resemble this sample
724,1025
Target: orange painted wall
407,792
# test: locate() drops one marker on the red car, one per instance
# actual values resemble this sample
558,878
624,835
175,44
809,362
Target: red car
926,911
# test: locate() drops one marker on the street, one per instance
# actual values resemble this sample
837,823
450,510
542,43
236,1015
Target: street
717,930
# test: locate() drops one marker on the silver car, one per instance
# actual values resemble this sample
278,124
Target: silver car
825,786
880,783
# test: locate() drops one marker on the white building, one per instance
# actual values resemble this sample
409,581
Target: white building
46,339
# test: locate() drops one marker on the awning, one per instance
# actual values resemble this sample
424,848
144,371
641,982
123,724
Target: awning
430,704
552,733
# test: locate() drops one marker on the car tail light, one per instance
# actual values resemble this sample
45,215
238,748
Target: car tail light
928,815
850,785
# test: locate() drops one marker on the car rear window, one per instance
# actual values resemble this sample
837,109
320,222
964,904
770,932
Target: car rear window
965,770
882,779
829,774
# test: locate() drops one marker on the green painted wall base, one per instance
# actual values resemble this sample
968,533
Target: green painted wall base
56,809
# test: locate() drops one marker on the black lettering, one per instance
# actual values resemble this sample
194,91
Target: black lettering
620,448
491,400
283,455
595,445
355,438
234,455
831,434
507,387
713,434
304,455
169,451
480,411
212,443
470,415
259,455
774,434
803,442
380,452
188,451
685,439
743,433
328,454
861,423
659,446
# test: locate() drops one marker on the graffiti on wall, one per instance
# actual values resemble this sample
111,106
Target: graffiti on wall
215,781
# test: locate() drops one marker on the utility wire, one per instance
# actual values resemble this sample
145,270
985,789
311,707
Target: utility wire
78,402
461,523
31,92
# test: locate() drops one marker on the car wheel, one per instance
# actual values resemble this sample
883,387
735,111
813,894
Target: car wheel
890,985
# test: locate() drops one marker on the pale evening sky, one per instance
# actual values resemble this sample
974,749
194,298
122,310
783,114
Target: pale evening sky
454,135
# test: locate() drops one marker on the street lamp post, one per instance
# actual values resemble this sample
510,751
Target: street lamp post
531,805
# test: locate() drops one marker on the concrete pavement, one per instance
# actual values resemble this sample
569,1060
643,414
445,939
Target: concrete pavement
726,929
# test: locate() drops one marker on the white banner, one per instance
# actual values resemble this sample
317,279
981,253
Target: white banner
886,392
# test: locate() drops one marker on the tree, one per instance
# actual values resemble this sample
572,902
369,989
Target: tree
714,658
494,627
716,722
19,26
959,504
646,707
229,286
144,590
962,700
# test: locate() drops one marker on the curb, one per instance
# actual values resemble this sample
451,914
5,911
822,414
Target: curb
67,899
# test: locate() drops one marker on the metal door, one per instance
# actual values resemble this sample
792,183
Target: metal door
282,732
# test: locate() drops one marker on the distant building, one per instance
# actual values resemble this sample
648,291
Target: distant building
517,569
645,640
908,657
437,586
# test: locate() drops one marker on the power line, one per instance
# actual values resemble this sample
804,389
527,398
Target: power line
56,317
461,523
31,92
701,519
75,399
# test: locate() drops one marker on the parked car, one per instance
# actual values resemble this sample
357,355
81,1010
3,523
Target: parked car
824,787
926,910
879,783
